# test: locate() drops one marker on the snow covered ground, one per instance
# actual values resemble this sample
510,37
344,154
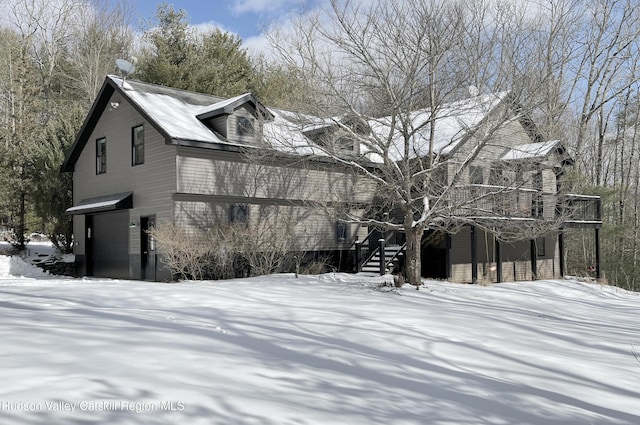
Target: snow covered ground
328,349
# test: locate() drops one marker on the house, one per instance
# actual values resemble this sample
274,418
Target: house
148,153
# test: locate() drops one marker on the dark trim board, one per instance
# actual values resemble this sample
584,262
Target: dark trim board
219,146
89,124
231,199
582,225
474,255
498,251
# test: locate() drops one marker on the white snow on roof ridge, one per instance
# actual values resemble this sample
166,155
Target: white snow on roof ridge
223,103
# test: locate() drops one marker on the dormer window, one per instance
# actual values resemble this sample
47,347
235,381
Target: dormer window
244,127
238,119
345,144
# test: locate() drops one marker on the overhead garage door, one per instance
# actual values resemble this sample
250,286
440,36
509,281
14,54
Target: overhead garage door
110,244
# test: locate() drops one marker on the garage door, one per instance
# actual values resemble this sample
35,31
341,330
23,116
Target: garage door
110,244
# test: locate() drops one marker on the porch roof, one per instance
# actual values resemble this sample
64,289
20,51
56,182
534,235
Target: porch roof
118,201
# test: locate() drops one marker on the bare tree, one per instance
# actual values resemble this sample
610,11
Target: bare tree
101,33
44,27
389,75
604,68
597,88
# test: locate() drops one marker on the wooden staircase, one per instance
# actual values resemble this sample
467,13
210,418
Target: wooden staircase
391,253
380,253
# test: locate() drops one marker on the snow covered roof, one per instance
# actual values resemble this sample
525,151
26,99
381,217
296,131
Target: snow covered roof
531,150
181,115
285,133
175,111
452,123
227,106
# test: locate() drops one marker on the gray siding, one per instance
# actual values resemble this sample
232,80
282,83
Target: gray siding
232,126
516,258
497,141
152,183
314,230
222,173
221,179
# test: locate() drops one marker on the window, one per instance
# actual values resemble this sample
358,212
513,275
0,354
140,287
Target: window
244,126
137,145
537,180
537,206
239,213
101,156
345,144
342,231
475,175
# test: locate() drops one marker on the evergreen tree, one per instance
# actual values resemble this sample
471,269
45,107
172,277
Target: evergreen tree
53,194
177,56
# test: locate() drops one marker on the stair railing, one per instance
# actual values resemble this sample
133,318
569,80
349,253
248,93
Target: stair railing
396,255
360,261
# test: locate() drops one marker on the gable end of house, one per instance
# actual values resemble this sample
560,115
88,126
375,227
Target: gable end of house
103,99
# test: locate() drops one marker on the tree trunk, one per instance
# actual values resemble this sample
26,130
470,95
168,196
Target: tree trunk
22,222
413,260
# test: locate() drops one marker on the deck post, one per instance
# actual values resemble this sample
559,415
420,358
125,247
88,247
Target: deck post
383,260
449,269
597,247
474,255
498,262
534,259
561,253
358,255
